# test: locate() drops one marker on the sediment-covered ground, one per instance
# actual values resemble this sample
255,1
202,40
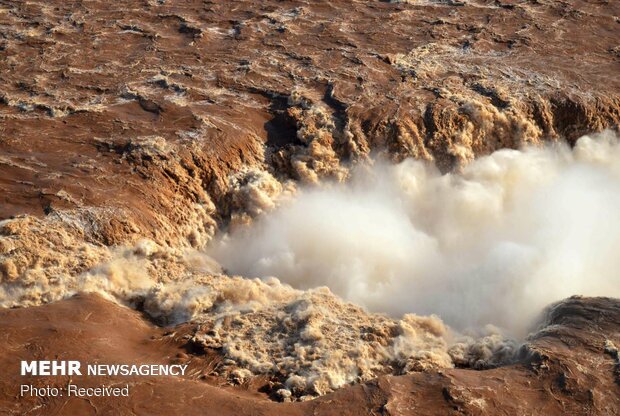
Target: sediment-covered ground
135,138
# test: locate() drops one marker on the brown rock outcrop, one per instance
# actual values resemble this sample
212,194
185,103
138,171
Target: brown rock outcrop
567,367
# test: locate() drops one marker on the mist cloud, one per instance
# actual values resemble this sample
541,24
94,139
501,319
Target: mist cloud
494,243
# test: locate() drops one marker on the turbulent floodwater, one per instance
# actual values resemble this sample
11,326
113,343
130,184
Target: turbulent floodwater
488,246
494,243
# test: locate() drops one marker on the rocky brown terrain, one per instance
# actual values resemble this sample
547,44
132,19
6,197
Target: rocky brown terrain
131,134
135,115
569,366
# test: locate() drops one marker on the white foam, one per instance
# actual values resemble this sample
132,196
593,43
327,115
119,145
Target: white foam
495,243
